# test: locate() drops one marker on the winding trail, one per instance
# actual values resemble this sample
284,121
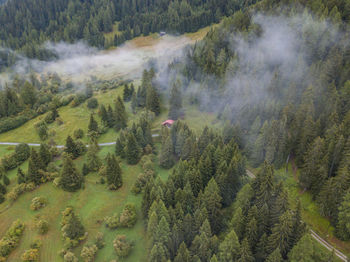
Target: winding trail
314,234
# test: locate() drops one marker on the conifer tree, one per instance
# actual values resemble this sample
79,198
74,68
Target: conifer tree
166,158
152,100
93,125
34,165
104,115
71,180
72,227
275,256
93,161
45,154
343,227
212,202
71,147
183,255
120,116
132,150
175,110
114,173
229,249
246,253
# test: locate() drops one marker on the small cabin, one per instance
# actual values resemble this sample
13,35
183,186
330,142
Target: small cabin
162,33
168,123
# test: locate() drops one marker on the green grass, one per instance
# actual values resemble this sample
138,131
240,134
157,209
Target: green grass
92,204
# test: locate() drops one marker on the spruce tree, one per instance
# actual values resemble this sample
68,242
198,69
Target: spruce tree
71,147
71,180
45,154
93,125
166,158
275,256
104,115
93,161
132,150
183,255
21,178
212,202
114,173
246,253
152,100
120,115
175,110
34,165
229,249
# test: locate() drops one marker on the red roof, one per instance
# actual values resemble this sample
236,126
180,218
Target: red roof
168,122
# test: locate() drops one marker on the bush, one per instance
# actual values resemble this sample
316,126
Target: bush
22,152
37,203
11,239
99,240
128,216
30,255
92,103
7,124
88,253
78,133
122,246
19,190
42,226
69,257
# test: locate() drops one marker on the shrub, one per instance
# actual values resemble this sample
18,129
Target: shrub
128,216
10,123
37,203
22,152
99,240
11,239
78,133
6,180
122,246
88,253
20,189
30,255
42,130
69,257
92,103
42,226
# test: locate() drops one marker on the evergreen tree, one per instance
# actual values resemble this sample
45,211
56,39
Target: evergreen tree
71,147
246,253
93,161
212,202
229,249
21,178
93,125
166,158
343,227
275,256
34,165
45,154
114,173
71,180
120,115
72,227
132,150
152,100
183,255
175,110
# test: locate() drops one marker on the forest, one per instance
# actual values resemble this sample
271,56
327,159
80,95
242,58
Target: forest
254,154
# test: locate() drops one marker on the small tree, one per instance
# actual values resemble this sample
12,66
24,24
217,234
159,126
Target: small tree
132,150
122,246
71,180
166,158
114,173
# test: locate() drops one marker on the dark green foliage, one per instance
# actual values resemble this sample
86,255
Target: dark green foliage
85,170
72,228
132,150
21,177
113,173
70,179
93,125
120,116
152,100
34,166
166,158
92,103
6,180
175,101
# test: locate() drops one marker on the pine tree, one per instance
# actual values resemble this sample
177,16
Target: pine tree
229,249
72,227
71,180
93,125
343,227
132,150
34,165
246,253
71,147
175,110
93,161
275,256
114,173
166,158
152,100
183,255
281,236
212,202
104,115
45,154
120,115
